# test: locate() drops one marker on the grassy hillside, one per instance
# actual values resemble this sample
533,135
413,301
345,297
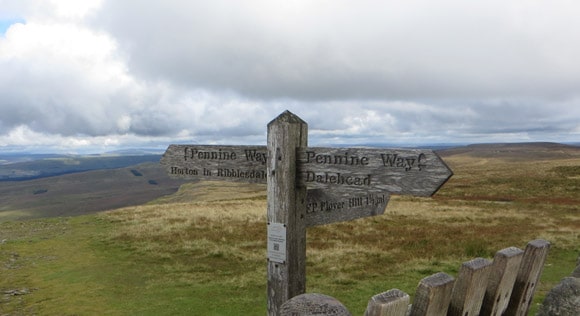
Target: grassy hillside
202,250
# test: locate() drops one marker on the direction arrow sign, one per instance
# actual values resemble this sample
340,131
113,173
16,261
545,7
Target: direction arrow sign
207,162
326,206
344,183
418,172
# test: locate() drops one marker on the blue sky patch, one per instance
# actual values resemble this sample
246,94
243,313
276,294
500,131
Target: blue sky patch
6,23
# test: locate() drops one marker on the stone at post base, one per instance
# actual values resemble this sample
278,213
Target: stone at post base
576,272
563,299
311,304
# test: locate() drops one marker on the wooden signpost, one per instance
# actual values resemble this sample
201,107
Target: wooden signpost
206,162
308,187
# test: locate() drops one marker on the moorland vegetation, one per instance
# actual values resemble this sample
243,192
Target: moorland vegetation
202,250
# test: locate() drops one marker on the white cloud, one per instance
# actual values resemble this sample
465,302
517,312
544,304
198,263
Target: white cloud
115,73
60,78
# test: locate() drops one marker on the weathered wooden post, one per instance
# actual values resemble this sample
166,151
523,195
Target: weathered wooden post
469,288
433,295
504,270
392,302
286,212
528,276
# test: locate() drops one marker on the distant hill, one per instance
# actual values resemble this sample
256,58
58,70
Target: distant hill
515,151
85,192
28,167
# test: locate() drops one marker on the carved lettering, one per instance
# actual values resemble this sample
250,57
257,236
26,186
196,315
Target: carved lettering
192,153
345,159
184,171
237,173
374,200
254,155
338,178
311,207
327,205
355,202
407,163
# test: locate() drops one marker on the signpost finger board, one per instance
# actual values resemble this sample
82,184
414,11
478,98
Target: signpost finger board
418,172
208,162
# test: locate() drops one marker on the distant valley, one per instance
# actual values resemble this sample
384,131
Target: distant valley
34,166
55,185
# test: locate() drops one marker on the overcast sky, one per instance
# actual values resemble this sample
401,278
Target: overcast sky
97,75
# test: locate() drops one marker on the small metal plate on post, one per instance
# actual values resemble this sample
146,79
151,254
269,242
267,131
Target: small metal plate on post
277,242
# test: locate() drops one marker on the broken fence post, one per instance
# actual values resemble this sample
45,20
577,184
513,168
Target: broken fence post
504,271
433,295
390,303
528,277
469,287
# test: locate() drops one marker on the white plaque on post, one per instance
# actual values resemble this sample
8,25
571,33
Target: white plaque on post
277,242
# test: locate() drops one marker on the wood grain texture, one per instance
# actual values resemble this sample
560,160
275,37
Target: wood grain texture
433,295
286,205
223,163
390,303
504,271
469,288
419,172
528,276
326,207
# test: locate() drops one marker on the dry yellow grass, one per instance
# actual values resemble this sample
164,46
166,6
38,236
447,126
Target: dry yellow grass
485,203
488,205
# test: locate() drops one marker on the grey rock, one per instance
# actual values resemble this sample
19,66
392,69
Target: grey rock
563,299
15,292
576,272
313,304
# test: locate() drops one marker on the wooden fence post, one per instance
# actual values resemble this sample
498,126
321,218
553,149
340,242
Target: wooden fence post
390,303
286,212
504,270
528,277
433,295
469,288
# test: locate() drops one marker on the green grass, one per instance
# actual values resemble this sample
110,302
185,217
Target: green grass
202,250
91,265
71,267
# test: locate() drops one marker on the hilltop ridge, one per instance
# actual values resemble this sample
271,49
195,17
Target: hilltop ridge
515,151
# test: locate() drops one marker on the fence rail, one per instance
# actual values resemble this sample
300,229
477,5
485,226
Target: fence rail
504,286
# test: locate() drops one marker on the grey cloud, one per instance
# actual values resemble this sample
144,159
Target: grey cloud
53,100
337,51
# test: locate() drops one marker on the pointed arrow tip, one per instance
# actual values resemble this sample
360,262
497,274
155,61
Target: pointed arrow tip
288,117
